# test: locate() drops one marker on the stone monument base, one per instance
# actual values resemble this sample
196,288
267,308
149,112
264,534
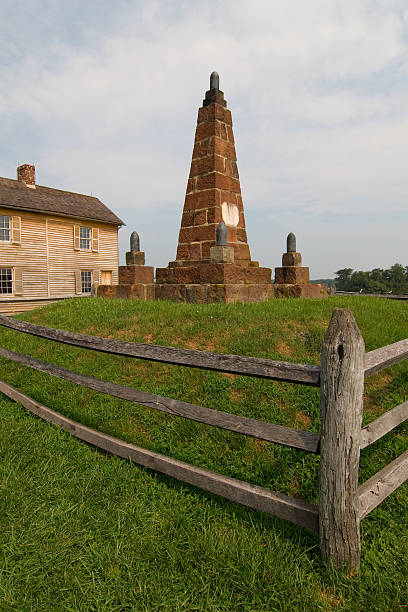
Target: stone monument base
138,291
205,293
136,281
213,273
299,290
133,274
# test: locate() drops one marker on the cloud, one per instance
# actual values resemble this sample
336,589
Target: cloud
105,102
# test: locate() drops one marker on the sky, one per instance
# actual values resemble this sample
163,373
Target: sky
103,98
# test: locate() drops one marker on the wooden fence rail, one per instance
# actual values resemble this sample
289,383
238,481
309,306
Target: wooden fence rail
344,366
230,364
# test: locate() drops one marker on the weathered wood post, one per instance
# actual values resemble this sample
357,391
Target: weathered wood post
341,409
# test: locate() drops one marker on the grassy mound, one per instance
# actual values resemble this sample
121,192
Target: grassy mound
83,531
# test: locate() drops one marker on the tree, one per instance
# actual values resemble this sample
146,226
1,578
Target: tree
342,279
395,279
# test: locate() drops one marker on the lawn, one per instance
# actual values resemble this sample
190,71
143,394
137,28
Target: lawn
80,530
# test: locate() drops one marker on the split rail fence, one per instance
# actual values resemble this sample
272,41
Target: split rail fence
344,366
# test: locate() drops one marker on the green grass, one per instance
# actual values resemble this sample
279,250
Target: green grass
80,530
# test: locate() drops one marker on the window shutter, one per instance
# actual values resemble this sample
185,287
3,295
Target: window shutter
76,239
95,283
16,230
78,282
95,239
18,281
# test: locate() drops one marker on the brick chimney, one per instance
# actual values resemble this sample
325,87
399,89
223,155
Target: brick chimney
213,190
26,174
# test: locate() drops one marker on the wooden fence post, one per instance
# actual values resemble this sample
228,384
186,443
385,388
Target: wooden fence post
341,409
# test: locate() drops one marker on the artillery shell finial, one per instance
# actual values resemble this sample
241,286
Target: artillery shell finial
214,80
134,241
221,236
291,243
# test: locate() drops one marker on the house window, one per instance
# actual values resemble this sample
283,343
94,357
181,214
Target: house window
5,228
85,238
6,281
86,281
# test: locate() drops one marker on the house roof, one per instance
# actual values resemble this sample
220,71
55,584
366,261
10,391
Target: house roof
16,195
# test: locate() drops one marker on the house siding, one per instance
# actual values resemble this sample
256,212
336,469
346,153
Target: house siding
47,257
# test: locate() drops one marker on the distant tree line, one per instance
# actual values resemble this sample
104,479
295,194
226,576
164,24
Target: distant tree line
394,280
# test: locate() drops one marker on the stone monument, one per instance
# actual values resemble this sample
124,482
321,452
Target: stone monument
292,279
213,261
135,279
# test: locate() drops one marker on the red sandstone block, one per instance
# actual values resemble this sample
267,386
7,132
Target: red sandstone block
210,112
183,252
228,196
203,199
200,217
208,292
227,116
175,293
292,275
219,164
122,292
223,114
218,181
214,215
195,250
184,274
202,114
223,182
201,149
104,291
242,252
222,147
231,169
235,186
204,165
197,233
281,290
220,273
128,275
162,275
207,129
228,183
187,219
196,294
224,133
137,291
291,259
300,291
241,235
217,111
232,234
240,204
215,293
150,292
205,248
230,134
208,181
236,293
258,275
260,293
191,185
